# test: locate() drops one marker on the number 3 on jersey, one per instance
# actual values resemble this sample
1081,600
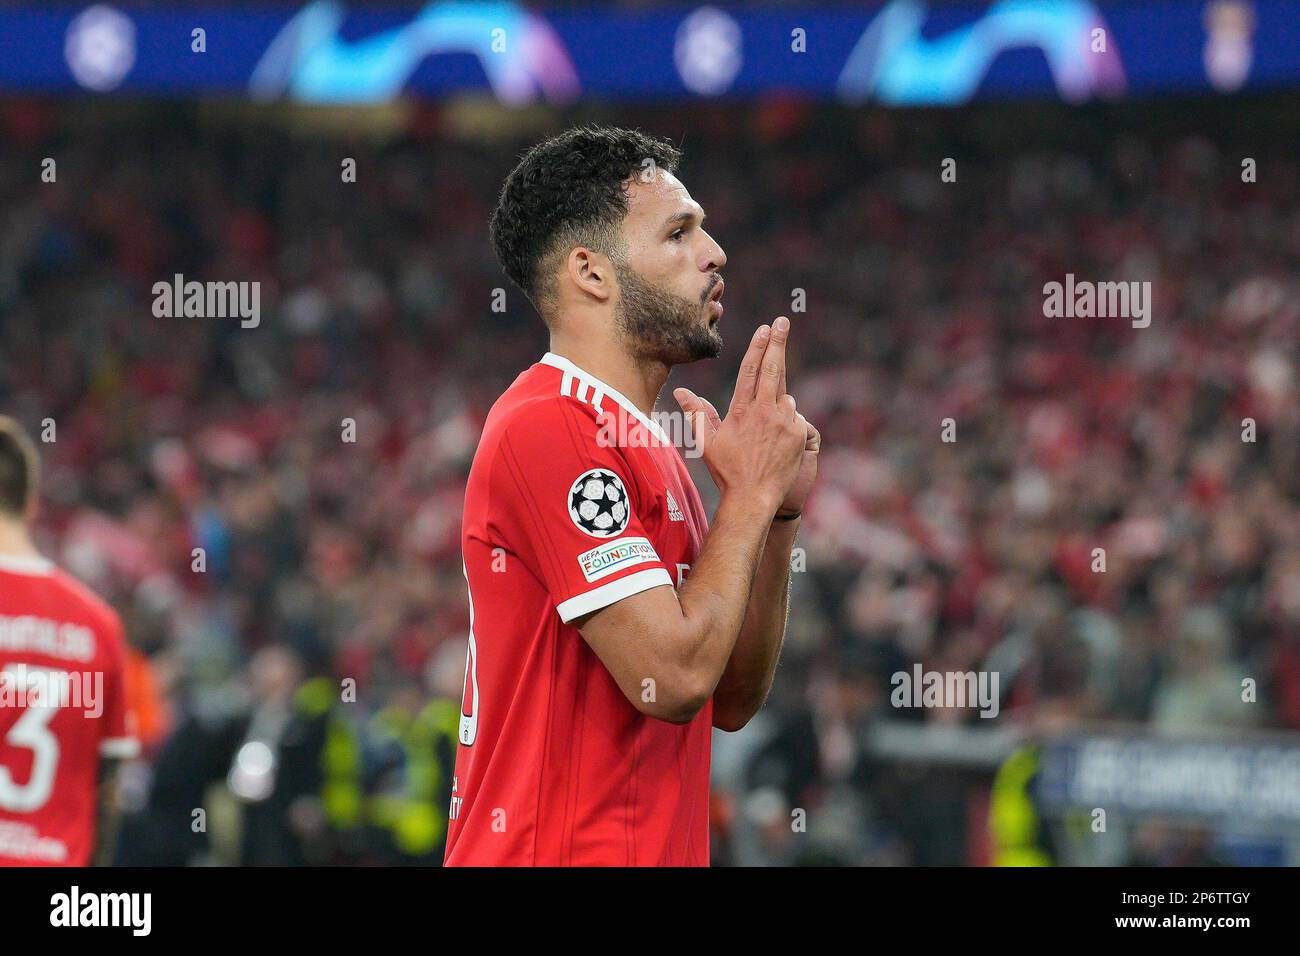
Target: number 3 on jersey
31,731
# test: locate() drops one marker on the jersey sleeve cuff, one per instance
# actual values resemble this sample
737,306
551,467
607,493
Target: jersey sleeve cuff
612,592
119,748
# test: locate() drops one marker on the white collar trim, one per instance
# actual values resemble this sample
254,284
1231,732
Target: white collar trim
586,378
23,564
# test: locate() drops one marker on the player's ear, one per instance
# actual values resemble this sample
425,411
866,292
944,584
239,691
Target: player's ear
591,272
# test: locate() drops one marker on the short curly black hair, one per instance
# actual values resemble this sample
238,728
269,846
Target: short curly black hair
569,191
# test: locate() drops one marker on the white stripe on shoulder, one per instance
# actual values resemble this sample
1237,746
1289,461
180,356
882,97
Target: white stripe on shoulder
600,391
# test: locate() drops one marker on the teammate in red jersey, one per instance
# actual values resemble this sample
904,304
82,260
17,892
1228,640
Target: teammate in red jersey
611,627
62,703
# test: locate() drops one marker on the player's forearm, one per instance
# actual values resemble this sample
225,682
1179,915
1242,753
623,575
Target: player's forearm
715,597
749,673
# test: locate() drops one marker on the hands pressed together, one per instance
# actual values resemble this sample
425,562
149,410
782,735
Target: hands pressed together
764,450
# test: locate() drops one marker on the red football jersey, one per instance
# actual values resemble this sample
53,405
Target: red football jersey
61,705
575,500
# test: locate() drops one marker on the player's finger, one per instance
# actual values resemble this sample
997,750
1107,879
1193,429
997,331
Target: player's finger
701,414
694,404
747,380
714,418
772,376
711,414
781,387
814,441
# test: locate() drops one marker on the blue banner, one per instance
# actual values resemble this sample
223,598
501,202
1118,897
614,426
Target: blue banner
1250,782
901,53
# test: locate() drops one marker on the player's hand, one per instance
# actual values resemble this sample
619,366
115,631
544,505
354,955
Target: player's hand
758,449
807,475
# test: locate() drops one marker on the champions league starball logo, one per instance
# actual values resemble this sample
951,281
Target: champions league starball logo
598,504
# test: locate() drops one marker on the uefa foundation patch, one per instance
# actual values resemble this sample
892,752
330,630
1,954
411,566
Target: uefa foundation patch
615,556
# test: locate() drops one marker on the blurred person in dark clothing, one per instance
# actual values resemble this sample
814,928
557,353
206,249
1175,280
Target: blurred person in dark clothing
820,741
162,829
276,772
264,737
812,777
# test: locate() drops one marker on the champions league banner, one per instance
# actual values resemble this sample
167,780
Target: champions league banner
1248,782
900,53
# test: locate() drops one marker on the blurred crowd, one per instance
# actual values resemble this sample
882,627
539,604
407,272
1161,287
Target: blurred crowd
276,510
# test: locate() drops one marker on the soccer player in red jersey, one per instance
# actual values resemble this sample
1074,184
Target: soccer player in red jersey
612,628
62,703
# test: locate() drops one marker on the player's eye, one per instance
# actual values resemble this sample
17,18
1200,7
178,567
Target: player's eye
676,234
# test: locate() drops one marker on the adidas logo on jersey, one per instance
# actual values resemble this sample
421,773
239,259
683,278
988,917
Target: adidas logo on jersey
674,512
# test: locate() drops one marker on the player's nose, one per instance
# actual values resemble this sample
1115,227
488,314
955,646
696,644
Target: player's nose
716,257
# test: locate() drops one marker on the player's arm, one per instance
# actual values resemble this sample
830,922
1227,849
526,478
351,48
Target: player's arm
668,650
749,673
752,666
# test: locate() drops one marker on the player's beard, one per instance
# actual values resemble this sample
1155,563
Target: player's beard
659,324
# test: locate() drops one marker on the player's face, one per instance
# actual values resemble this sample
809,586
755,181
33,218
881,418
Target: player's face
669,285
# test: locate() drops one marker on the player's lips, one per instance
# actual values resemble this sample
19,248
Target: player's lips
715,297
